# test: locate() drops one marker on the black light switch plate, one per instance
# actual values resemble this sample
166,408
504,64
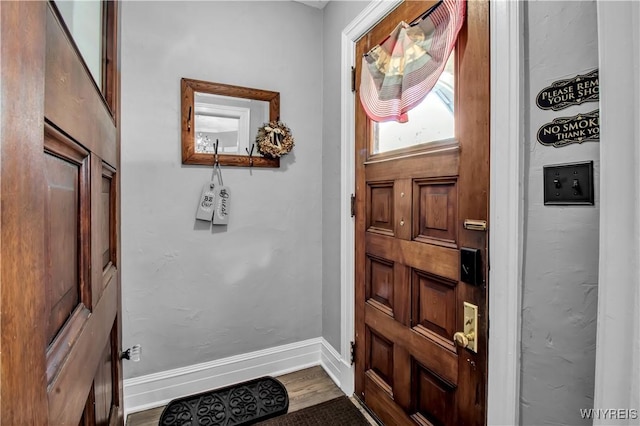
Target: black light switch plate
470,266
569,184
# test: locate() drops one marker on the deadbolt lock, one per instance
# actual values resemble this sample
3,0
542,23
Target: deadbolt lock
467,337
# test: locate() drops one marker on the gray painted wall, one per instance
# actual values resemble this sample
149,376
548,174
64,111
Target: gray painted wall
559,300
337,15
192,294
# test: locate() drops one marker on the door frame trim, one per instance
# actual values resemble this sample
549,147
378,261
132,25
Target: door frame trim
617,367
506,212
374,12
506,202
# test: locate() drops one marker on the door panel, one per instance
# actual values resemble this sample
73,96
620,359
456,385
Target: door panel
66,136
434,307
380,214
435,210
410,208
103,221
107,216
61,204
432,397
379,284
380,360
104,386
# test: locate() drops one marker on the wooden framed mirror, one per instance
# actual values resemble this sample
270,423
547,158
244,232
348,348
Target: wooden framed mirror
228,114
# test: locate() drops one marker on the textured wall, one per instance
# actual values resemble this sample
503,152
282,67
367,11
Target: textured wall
191,294
559,301
337,15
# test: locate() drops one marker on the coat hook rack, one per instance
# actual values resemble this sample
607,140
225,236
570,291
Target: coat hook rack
250,153
217,170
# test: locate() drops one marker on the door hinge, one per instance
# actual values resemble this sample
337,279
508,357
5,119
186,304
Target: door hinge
353,205
353,352
353,79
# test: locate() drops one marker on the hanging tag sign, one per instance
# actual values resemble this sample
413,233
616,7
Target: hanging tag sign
221,210
207,202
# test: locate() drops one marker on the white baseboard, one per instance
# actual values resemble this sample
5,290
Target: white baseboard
155,390
340,370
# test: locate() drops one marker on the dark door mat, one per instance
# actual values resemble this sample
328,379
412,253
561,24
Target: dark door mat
242,404
340,411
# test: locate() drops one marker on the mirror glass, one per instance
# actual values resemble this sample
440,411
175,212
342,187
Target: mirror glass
232,115
232,121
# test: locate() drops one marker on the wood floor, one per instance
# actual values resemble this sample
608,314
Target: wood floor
305,388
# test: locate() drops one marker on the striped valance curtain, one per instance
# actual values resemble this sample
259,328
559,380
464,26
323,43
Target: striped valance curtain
398,73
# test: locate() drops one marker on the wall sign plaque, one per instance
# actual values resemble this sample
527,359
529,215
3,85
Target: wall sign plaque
565,93
567,130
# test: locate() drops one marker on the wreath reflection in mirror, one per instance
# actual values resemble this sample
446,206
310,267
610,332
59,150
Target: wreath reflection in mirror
274,139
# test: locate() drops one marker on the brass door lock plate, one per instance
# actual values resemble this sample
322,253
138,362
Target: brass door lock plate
467,338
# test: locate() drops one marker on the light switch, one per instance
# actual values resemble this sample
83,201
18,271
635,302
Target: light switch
569,184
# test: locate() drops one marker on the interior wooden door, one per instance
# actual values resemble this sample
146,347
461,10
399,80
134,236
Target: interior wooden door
411,205
60,299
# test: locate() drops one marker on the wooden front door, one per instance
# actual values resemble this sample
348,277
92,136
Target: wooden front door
412,200
60,278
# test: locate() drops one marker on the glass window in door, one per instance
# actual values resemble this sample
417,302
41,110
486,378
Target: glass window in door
430,121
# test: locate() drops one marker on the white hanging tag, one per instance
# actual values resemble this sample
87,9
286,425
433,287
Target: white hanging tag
207,202
221,211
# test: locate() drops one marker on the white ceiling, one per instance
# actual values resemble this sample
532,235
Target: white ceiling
314,3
